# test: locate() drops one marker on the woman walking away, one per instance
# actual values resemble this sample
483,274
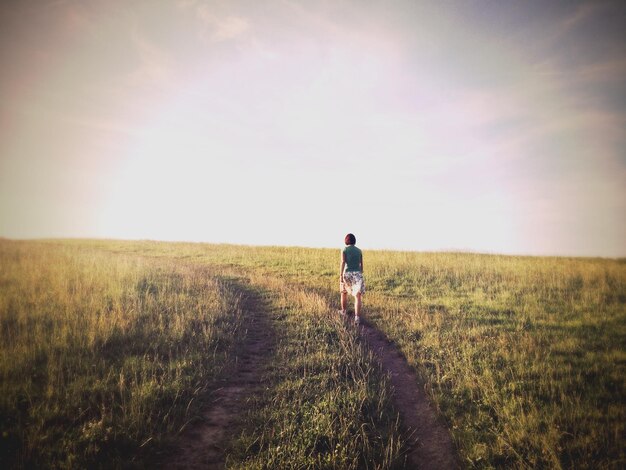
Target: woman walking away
351,276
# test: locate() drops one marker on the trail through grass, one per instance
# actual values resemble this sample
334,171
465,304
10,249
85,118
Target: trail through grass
207,438
120,349
326,403
524,357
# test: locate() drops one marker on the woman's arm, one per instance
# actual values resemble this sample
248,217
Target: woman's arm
361,262
343,265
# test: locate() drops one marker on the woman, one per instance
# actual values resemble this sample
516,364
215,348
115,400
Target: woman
351,276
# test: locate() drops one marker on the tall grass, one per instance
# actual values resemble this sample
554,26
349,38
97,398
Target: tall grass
326,403
101,355
108,348
524,356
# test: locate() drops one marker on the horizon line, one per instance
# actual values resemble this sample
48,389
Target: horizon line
464,251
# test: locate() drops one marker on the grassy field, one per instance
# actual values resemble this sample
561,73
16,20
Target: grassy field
327,403
102,354
105,344
106,353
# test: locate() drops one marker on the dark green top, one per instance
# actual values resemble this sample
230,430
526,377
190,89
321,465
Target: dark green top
353,258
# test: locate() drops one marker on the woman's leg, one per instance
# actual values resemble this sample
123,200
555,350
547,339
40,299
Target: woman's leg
357,304
344,301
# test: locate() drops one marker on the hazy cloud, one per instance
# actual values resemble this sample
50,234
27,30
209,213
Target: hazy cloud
221,28
216,23
581,13
485,123
154,63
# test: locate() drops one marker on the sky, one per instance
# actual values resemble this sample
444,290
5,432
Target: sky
481,126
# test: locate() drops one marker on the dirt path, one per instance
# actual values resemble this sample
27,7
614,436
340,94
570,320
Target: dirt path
430,445
204,444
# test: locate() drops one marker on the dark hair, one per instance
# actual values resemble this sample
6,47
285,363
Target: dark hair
350,239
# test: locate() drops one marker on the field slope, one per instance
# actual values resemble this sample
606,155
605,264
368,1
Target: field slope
104,353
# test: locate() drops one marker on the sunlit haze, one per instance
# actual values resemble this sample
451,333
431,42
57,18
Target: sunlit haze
459,125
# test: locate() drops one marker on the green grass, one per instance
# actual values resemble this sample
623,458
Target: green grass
523,356
103,354
326,403
107,353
